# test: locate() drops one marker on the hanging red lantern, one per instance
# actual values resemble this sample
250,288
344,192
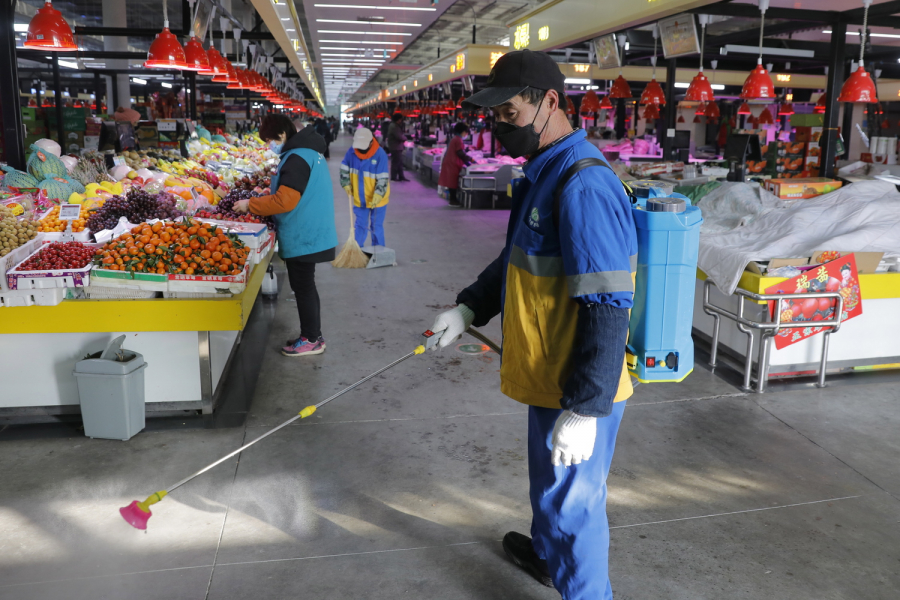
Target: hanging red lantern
700,89
651,112
680,119
859,87
605,104
49,31
819,108
701,110
195,56
712,111
743,109
570,107
786,109
765,118
758,84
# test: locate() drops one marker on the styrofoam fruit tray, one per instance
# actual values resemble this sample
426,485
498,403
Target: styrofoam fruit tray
126,280
37,280
94,292
260,253
57,236
45,297
253,235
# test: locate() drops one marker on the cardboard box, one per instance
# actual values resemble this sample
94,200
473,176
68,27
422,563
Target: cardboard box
759,269
812,120
801,188
30,113
91,142
866,262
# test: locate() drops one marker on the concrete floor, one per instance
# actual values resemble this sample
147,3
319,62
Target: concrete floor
404,487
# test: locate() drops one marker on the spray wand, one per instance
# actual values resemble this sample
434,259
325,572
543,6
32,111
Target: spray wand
138,513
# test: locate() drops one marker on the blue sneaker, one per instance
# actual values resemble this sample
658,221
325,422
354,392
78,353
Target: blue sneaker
304,347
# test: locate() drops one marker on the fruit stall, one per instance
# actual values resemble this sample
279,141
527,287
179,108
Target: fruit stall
149,248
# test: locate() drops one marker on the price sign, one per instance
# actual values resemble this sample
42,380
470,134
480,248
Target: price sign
167,125
69,212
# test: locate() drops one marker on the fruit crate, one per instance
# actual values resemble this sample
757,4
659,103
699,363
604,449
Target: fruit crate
260,253
126,280
94,292
17,279
253,235
83,236
224,284
15,257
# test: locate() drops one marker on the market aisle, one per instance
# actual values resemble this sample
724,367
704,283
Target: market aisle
404,487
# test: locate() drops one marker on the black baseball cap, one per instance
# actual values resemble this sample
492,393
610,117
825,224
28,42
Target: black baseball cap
516,71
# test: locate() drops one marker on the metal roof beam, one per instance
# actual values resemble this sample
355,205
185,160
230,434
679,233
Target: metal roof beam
152,33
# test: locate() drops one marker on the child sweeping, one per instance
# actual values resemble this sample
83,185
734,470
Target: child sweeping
364,175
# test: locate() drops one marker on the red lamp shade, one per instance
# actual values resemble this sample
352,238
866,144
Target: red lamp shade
195,56
858,88
165,52
885,125
680,119
605,104
49,31
700,89
653,94
712,111
758,84
651,112
570,108
785,109
620,88
765,118
819,108
697,119
216,68
237,82
701,110
743,109
590,102
753,121
458,104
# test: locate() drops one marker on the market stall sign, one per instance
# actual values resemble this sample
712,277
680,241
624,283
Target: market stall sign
167,125
544,33
522,36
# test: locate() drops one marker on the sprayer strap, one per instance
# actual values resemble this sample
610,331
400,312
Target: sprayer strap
584,163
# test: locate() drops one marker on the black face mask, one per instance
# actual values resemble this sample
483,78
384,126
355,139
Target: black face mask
521,141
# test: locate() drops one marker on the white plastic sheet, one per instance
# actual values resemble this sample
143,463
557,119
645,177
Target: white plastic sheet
862,217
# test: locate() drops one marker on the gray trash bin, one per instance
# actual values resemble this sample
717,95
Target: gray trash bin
111,390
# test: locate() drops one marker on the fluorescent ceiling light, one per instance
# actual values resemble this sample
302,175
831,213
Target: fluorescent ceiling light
766,50
20,27
139,81
285,18
884,35
166,85
345,55
715,86
290,30
359,42
369,22
69,64
577,81
363,32
357,49
364,7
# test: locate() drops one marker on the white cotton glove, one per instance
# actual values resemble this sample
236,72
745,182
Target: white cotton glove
573,439
453,323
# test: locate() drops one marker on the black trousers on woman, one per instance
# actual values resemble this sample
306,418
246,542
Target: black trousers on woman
302,277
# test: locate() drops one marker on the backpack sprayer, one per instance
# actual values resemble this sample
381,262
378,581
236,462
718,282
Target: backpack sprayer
138,513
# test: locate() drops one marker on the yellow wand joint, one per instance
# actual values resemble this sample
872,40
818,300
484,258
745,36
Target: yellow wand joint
152,499
307,411
420,350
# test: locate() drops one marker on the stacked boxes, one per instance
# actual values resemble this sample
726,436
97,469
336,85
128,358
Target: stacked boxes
791,159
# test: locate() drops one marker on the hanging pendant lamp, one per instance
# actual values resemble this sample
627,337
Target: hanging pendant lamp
765,117
697,119
744,109
701,109
759,83
859,87
819,108
680,119
49,31
570,107
166,51
653,93
700,90
712,111
620,88
786,109
590,103
605,104
651,112
195,56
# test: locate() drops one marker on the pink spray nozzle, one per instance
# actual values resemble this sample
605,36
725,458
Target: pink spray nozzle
135,516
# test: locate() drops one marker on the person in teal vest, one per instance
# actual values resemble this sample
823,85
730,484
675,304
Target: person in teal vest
302,203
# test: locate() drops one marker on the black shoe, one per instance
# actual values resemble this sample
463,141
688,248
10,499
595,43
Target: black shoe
455,203
403,179
520,551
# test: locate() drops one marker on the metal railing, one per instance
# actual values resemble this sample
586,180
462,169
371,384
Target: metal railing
768,330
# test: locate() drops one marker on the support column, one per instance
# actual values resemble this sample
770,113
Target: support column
671,110
98,95
10,104
114,15
192,81
832,109
57,92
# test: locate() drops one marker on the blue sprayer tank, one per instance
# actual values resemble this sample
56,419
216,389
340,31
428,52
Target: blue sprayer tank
660,347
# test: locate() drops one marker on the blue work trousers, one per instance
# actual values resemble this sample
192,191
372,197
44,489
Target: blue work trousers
369,220
569,528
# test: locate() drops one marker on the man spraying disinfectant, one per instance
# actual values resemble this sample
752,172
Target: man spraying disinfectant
564,285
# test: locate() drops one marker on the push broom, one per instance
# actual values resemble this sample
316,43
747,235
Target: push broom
350,256
138,513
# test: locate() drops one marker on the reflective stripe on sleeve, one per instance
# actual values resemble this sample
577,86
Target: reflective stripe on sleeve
633,262
604,282
539,266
